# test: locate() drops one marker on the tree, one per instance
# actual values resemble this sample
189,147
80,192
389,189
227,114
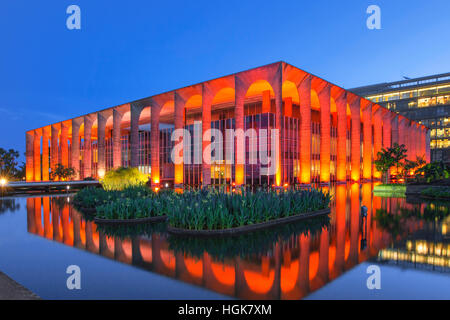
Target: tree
9,166
413,166
384,162
387,158
62,173
399,155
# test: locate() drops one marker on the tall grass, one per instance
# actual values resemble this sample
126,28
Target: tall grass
203,209
215,210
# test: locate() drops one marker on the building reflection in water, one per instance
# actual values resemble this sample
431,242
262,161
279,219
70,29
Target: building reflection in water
285,263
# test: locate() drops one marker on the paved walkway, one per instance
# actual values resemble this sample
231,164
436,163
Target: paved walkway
11,290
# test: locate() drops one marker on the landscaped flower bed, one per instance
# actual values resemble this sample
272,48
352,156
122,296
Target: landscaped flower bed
91,198
214,212
205,210
138,210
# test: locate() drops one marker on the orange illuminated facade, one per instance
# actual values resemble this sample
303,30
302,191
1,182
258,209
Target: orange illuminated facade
325,133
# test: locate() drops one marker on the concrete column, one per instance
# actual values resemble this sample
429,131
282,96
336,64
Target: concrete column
325,133
412,141
64,145
394,125
288,107
45,155
207,97
266,102
154,141
407,139
427,146
377,140
87,147
387,130
355,109
29,138
304,91
277,88
117,145
341,106
134,136
418,140
423,144
101,144
367,142
37,155
179,125
54,152
401,131
240,91
75,150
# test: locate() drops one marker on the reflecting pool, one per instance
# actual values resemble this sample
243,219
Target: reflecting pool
323,258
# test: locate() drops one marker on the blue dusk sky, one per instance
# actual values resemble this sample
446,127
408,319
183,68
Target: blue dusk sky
128,50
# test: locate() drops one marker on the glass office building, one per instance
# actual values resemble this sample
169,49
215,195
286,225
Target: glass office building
425,100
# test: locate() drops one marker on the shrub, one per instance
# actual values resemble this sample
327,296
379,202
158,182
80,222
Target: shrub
92,197
433,171
62,173
436,192
123,178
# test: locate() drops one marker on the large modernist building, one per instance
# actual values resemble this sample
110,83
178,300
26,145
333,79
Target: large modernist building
425,100
325,133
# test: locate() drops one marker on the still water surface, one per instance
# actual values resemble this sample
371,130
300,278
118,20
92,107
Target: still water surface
323,258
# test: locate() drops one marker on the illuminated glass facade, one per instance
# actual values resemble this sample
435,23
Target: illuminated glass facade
425,100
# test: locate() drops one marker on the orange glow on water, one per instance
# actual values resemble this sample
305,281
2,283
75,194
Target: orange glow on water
146,251
194,266
289,275
259,283
313,264
168,259
223,273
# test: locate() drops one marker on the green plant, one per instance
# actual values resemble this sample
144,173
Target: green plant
61,172
432,172
214,210
442,192
123,178
387,158
9,168
92,197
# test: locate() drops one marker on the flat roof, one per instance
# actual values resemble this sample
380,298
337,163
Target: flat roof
402,84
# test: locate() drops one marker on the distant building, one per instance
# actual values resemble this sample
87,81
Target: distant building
425,100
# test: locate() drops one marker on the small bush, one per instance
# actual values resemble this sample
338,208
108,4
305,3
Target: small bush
123,178
436,192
